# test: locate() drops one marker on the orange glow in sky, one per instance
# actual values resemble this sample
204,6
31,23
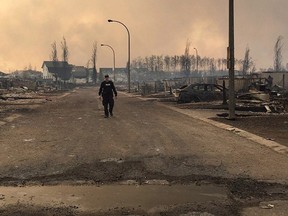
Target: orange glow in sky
29,27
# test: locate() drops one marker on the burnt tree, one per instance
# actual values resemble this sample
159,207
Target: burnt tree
94,62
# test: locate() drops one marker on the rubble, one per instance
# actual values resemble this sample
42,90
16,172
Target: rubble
261,106
254,95
22,96
264,98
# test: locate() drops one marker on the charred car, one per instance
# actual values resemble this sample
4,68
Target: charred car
200,92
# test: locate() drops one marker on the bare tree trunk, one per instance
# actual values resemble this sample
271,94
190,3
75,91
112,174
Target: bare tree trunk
87,71
278,54
186,64
54,58
65,55
167,61
54,52
247,62
94,61
65,50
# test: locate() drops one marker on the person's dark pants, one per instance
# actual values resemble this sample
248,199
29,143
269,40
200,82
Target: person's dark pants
108,103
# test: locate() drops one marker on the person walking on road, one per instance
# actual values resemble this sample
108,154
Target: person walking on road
106,91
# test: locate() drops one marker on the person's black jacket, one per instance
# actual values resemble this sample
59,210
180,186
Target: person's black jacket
107,88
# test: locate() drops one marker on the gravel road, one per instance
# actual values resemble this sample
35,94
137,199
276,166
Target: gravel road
68,141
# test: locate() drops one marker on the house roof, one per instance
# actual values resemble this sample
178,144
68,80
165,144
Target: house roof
3,74
60,69
79,72
55,64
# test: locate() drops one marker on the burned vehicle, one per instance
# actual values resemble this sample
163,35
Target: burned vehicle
200,92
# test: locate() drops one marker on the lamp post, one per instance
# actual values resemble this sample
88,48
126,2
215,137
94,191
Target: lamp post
196,59
113,59
231,62
128,64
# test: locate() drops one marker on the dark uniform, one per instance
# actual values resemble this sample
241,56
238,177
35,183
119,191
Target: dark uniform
106,91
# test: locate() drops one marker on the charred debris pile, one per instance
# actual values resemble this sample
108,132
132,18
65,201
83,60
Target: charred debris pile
251,96
18,94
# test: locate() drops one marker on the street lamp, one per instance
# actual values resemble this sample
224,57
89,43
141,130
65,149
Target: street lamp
231,62
113,59
196,59
128,66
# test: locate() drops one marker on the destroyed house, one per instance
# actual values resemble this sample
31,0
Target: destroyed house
2,74
278,78
79,74
109,71
120,73
56,70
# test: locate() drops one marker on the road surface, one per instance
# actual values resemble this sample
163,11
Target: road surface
69,142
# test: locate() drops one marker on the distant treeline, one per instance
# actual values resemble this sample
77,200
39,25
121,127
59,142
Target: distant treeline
183,63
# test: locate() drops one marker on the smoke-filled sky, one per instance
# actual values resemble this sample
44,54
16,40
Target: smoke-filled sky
29,27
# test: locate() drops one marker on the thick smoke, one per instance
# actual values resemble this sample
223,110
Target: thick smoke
28,27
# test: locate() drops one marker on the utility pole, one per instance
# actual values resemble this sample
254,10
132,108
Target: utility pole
231,62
